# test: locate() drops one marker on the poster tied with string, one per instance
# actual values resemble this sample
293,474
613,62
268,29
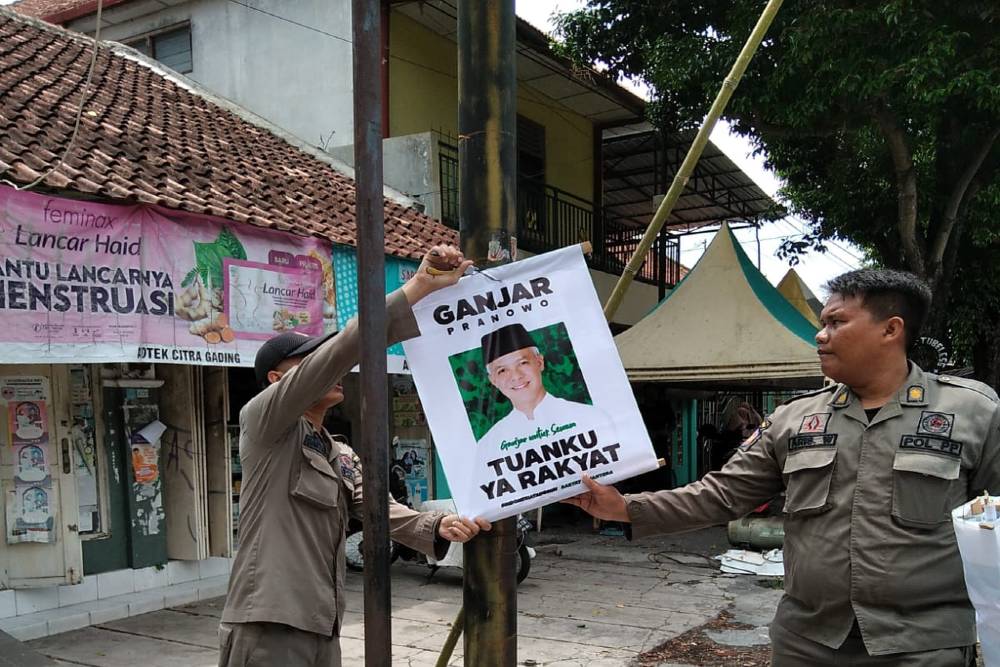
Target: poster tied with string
523,387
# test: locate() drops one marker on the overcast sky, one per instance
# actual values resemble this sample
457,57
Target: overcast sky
814,268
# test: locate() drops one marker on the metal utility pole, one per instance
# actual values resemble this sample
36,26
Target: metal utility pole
487,200
370,211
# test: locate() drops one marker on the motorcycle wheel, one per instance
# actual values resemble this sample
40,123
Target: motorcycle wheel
354,554
523,563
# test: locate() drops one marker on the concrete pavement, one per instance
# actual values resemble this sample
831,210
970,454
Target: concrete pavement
589,600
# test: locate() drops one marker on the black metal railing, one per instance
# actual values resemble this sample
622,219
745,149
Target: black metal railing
619,242
549,218
448,171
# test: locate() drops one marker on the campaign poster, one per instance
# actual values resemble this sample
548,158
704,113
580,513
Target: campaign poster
29,505
88,282
411,458
523,388
30,514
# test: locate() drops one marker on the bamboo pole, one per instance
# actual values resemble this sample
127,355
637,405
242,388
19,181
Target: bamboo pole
694,154
449,644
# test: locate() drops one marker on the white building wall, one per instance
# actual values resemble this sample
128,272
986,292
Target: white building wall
301,80
410,165
296,77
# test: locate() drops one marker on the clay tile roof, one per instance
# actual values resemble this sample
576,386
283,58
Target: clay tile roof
152,136
44,8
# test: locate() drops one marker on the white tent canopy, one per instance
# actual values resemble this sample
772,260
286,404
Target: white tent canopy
723,325
793,288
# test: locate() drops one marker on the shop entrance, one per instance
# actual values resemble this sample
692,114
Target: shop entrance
136,530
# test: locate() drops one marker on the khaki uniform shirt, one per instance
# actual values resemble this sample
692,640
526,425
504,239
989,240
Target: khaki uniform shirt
868,533
295,501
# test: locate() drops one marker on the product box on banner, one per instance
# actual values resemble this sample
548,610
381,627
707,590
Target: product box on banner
523,387
978,532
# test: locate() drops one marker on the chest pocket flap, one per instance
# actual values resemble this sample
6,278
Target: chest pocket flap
928,464
921,488
315,481
808,474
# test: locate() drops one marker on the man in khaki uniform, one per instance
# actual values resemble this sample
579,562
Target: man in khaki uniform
300,486
871,468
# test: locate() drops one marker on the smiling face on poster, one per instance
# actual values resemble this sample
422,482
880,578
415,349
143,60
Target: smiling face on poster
31,463
28,421
523,387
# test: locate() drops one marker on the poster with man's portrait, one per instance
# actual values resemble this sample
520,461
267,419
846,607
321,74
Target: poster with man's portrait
523,387
31,463
28,421
30,514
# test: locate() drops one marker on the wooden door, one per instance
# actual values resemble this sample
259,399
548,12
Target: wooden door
40,542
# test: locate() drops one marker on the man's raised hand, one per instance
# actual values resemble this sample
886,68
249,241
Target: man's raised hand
441,267
603,502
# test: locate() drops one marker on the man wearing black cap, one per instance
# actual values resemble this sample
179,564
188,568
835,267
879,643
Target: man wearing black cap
300,486
515,367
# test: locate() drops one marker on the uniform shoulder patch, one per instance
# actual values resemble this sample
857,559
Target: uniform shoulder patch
829,389
347,467
972,385
756,435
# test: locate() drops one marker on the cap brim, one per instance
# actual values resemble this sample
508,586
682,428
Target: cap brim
310,345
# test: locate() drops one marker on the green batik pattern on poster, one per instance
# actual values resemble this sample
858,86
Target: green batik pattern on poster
485,404
345,271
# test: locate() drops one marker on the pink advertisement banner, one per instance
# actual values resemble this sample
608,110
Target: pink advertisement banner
90,283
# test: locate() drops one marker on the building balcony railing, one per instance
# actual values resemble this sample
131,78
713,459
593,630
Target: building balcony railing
549,218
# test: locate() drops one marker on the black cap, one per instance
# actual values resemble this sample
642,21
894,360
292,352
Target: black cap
281,347
505,340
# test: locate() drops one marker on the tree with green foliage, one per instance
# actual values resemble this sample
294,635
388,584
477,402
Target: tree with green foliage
881,117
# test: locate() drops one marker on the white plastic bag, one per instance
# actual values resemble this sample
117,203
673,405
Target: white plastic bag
980,549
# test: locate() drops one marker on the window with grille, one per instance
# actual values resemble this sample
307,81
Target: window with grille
172,47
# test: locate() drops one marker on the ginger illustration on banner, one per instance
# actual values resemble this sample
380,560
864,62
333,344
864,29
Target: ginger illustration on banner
88,282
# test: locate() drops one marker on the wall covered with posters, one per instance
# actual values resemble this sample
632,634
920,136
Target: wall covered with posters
30,503
87,282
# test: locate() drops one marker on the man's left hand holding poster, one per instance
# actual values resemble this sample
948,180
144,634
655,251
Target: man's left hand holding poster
523,387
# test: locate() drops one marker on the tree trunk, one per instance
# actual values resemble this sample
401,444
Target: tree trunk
906,189
986,361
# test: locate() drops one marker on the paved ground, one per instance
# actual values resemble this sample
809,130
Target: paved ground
589,600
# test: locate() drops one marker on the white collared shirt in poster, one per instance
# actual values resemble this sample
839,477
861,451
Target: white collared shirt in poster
520,464
550,412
